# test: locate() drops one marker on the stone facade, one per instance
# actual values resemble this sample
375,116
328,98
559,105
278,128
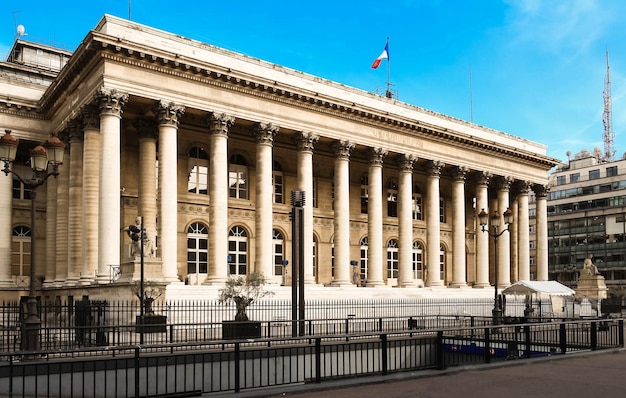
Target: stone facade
207,146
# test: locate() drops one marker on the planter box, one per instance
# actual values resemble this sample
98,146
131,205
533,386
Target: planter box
233,330
151,324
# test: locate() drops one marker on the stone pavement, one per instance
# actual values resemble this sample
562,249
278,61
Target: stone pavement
586,374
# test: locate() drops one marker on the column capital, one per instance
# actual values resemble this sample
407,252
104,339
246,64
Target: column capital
343,149
405,162
265,133
90,116
219,123
146,127
75,130
460,173
434,168
522,187
376,156
168,113
541,191
110,101
305,141
504,183
483,178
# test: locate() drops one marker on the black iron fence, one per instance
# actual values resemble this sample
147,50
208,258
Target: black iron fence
232,366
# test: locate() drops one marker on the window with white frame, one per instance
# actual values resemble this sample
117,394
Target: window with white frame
237,251
238,177
418,260
392,198
278,183
392,259
279,255
197,250
198,171
363,259
21,250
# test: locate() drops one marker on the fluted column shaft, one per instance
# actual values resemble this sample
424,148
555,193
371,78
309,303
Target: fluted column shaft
51,230
6,228
375,262
305,142
168,115
62,233
264,264
405,221
482,238
433,227
109,230
75,204
147,194
91,192
341,219
542,232
504,241
219,125
459,267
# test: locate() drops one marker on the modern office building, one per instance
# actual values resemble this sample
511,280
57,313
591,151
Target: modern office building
207,145
586,211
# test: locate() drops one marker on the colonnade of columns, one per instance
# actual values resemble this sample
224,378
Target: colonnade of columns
83,209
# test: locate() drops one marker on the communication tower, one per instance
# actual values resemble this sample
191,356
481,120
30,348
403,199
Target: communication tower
607,116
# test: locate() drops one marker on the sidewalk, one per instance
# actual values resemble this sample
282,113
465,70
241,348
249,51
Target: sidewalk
588,374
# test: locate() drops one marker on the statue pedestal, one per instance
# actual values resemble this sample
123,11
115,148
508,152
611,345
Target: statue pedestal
130,270
592,287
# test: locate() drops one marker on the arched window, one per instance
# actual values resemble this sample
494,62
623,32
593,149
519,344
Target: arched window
442,262
238,177
198,171
392,259
314,256
278,183
417,259
197,252
20,250
392,198
364,243
279,253
237,251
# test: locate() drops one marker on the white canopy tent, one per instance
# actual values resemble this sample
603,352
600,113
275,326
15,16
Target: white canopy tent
551,288
550,296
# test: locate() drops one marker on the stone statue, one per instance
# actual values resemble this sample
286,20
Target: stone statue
148,245
589,269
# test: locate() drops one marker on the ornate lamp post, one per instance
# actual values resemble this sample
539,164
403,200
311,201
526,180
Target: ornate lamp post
51,153
483,219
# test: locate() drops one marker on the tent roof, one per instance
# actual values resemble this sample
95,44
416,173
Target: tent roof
546,287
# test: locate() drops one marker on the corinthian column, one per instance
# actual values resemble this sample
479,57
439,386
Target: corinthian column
147,194
433,223
405,221
75,204
541,193
341,219
219,125
110,103
168,115
6,229
523,232
375,263
264,134
504,242
51,230
61,234
459,274
91,190
482,238
305,142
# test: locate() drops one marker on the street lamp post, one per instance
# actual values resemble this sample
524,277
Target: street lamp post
51,153
483,219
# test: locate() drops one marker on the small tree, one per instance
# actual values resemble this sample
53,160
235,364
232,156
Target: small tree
242,290
152,291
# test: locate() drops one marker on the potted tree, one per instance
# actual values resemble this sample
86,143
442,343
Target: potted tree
242,290
151,322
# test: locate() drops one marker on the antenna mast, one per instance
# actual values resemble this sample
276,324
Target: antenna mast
607,116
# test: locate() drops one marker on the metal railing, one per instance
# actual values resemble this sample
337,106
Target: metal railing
220,366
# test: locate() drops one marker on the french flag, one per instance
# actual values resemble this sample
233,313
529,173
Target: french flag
383,55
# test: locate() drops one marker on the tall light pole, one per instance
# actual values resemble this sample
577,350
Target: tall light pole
494,221
51,153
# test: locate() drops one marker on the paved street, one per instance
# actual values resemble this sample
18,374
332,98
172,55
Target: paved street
590,374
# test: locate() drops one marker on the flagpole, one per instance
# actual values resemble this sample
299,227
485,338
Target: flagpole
388,93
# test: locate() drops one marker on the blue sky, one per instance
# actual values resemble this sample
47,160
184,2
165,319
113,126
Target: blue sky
537,67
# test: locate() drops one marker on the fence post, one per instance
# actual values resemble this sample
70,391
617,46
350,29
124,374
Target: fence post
594,335
318,359
136,371
237,368
383,354
380,324
527,333
487,345
562,338
440,357
620,332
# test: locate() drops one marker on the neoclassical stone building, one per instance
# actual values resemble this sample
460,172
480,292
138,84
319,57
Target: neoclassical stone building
207,146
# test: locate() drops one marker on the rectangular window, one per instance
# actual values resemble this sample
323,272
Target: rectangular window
560,180
594,174
611,171
442,211
575,177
